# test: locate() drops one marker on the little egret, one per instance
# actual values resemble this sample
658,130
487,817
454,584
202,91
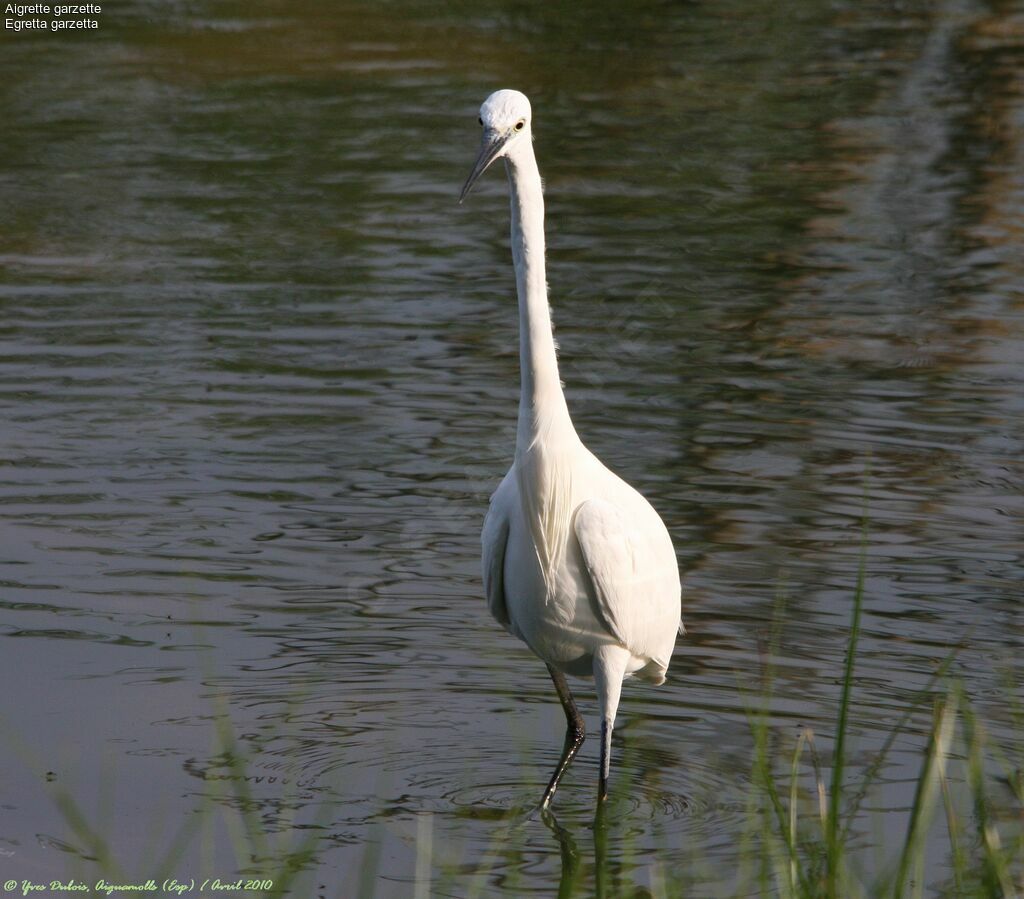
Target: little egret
576,563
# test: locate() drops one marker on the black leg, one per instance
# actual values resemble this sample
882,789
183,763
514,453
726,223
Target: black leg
574,733
606,761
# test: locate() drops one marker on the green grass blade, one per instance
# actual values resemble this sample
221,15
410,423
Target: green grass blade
794,783
925,693
833,843
424,855
997,879
933,769
764,777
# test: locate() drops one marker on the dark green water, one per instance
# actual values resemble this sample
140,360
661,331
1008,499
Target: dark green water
258,375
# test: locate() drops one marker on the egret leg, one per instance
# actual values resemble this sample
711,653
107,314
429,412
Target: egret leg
574,733
606,760
609,669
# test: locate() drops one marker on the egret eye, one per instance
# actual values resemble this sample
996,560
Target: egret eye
520,125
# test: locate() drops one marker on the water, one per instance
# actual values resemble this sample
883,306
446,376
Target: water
258,375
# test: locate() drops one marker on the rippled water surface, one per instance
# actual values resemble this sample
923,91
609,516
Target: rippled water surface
259,373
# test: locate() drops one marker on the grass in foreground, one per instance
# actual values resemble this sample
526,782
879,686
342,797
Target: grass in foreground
800,839
804,845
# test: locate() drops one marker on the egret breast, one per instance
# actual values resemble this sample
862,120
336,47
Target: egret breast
553,615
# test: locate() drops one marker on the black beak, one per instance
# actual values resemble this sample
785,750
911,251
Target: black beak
490,148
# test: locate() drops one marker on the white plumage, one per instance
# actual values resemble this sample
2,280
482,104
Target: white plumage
576,563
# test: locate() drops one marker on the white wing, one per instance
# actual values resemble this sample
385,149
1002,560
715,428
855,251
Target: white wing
493,541
635,581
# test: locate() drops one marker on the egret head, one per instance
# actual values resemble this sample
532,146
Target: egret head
505,118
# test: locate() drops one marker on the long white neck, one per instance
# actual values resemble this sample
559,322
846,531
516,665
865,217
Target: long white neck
542,408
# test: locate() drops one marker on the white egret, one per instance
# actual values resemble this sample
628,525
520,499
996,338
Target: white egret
576,563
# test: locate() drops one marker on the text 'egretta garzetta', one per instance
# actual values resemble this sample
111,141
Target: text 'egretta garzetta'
576,563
